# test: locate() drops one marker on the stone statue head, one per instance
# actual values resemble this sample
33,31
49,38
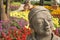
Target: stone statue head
40,21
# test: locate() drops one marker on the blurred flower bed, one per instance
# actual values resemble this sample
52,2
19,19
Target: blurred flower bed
53,11
21,14
56,22
14,29
24,14
14,5
18,26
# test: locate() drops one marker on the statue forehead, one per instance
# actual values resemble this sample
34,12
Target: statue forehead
44,15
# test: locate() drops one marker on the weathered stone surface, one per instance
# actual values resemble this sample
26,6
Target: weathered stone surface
41,24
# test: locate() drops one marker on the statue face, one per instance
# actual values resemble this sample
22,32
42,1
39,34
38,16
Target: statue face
42,23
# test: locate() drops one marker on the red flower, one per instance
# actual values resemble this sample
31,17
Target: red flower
18,38
8,38
3,34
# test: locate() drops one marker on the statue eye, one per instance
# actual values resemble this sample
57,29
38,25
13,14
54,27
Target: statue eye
49,20
40,22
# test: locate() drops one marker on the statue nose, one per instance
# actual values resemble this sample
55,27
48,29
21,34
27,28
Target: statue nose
46,23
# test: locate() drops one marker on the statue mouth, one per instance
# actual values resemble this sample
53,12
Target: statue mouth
47,30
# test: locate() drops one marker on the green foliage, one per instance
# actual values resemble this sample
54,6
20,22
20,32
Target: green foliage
15,0
22,1
16,3
35,2
47,2
4,1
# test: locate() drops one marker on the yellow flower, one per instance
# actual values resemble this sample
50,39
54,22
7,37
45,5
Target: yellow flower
56,21
21,14
54,11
